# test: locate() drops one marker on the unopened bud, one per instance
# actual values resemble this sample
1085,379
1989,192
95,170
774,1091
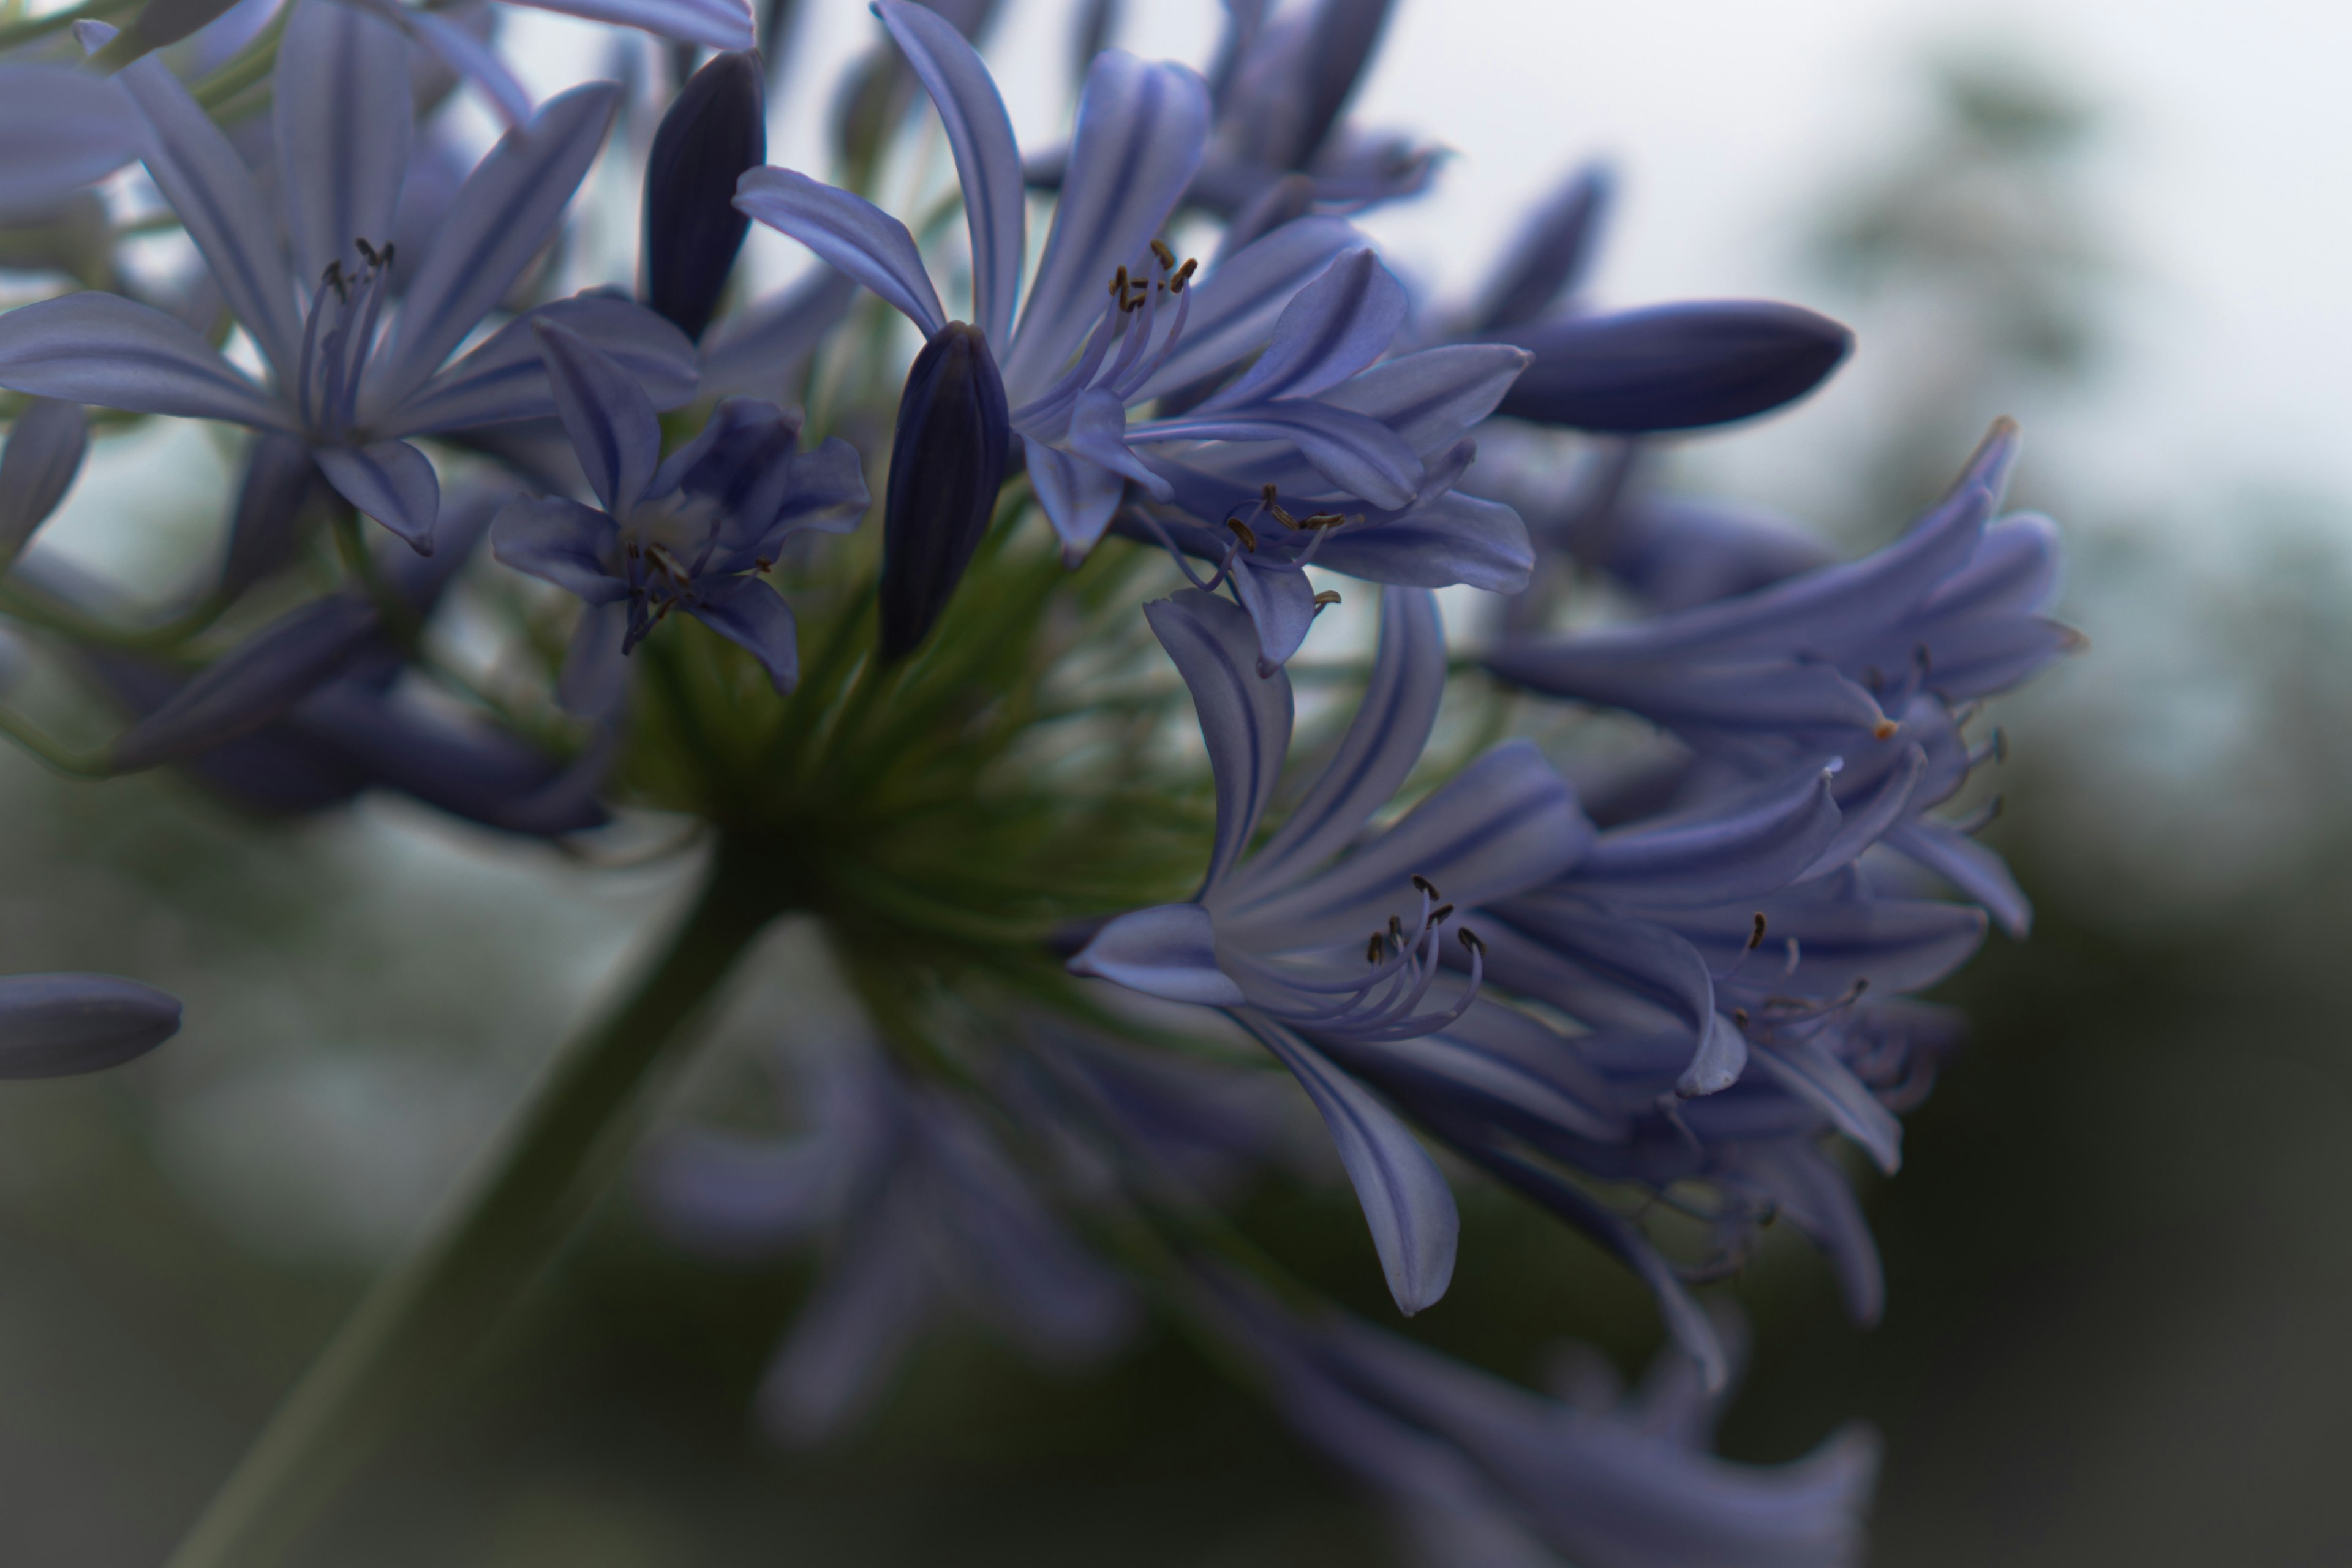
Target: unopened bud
946,462
716,130
55,1025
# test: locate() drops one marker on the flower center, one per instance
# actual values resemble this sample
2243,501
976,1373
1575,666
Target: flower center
336,339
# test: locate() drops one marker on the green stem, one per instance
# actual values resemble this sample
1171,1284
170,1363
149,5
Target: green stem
413,1334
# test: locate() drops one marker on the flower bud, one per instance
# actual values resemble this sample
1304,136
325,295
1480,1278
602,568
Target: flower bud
946,462
716,130
1672,367
55,1025
246,689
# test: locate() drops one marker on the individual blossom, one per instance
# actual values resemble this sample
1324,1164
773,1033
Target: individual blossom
350,374
1113,321
692,534
1484,1471
917,1208
1877,662
1320,937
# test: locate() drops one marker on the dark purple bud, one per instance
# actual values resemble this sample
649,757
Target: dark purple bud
1552,255
945,463
52,1026
244,690
284,498
716,130
1672,367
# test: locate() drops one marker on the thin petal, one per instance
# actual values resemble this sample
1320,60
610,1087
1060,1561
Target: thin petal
1604,970
472,60
1245,720
1431,397
851,1333
343,124
114,352
1078,494
55,1025
504,378
717,24
1507,823
1393,723
755,619
1977,872
392,482
595,675
1098,433
221,206
613,427
45,444
559,541
1333,328
61,130
1170,951
758,352
1810,1074
988,161
1809,1188
1415,1227
1744,847
244,690
852,233
1451,538
510,206
1282,605
1235,305
1362,457
1142,130
1552,254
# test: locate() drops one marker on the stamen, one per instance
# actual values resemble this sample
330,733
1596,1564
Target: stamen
1183,276
1440,915
1372,949
1248,539
1473,940
1325,597
1426,886
1167,257
1755,937
1740,1016
1118,284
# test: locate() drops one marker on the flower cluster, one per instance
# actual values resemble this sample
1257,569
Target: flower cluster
1636,990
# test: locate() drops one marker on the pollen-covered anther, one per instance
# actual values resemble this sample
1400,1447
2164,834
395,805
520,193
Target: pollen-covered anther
1441,914
1167,257
1372,948
1423,884
1328,596
1183,275
1756,936
1472,940
1242,531
1884,730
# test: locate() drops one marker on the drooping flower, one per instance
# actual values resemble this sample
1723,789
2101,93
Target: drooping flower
1113,322
919,1208
692,534
1314,939
353,376
1484,1471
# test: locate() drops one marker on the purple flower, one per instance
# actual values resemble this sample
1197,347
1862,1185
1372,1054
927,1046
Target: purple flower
1484,1471
918,1208
1315,938
353,374
692,534
1113,322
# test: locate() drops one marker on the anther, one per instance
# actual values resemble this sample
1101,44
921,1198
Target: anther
1118,286
333,279
1167,257
1441,914
1755,937
1423,884
1472,940
1396,928
1884,729
1322,520
1183,276
1325,597
1372,949
1248,539
1740,1016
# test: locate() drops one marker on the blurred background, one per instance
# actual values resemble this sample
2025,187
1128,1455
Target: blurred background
2117,1254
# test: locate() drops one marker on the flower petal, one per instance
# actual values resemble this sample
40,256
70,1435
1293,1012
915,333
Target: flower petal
55,1025
754,617
613,427
1245,720
221,206
1503,825
1331,329
1979,873
715,24
504,378
1362,457
988,161
61,130
1415,1227
1719,852
246,689
1281,605
391,481
1450,538
1077,493
850,232
1237,302
1169,951
343,124
758,352
1393,723
509,207
1810,1074
45,449
1431,397
114,352
560,541
1552,253
1142,130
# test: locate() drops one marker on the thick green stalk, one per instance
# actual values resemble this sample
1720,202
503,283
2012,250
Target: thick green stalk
416,1330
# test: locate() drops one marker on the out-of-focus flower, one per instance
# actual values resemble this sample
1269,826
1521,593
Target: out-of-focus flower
52,1026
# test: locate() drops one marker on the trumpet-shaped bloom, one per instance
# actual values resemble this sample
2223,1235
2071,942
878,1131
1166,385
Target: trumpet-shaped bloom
692,534
1316,938
1484,1471
1112,322
923,1209
350,374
